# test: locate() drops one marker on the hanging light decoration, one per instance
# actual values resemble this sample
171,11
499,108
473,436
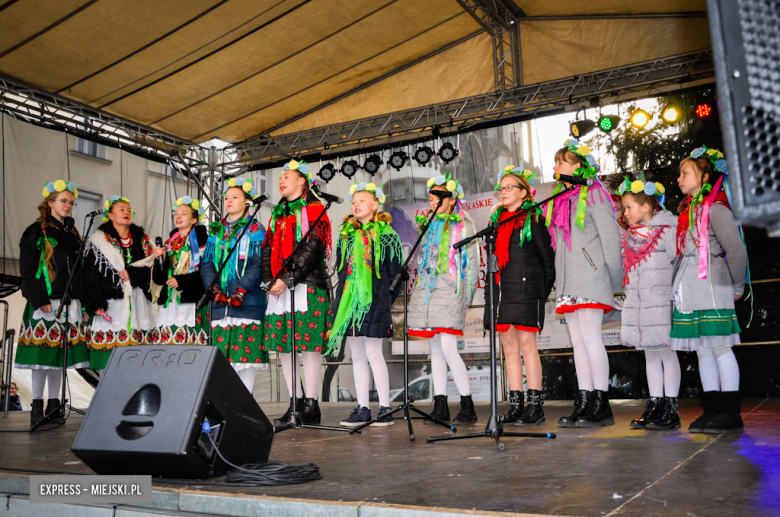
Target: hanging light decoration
327,172
372,164
640,118
349,168
423,155
447,152
398,159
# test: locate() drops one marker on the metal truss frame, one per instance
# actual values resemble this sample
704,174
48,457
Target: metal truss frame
395,129
53,111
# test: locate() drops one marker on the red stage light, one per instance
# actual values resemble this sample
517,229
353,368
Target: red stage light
703,110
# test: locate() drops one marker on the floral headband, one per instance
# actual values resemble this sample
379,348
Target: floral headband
303,168
244,184
111,202
367,187
450,184
192,203
583,151
517,171
641,186
716,158
58,186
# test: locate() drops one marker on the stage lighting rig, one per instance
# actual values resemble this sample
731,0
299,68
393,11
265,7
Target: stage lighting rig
640,118
703,109
447,152
423,155
398,159
608,122
327,172
671,114
349,168
372,164
580,128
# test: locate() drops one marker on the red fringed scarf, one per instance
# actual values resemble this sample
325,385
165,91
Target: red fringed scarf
505,234
281,237
638,243
683,220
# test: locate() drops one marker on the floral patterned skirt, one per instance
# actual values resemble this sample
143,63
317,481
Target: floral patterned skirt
567,304
312,325
241,340
40,339
178,324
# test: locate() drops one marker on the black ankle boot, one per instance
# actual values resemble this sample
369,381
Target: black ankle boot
441,410
311,412
515,408
599,412
667,418
299,404
581,403
534,414
36,413
51,405
467,414
652,408
729,419
711,402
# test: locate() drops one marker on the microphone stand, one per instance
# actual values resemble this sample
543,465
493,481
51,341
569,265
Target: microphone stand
64,303
494,429
289,266
403,276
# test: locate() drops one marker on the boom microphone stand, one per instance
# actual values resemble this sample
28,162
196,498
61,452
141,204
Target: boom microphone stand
59,411
403,276
289,266
494,429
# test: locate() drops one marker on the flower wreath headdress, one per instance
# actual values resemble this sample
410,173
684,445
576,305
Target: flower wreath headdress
453,186
367,187
111,202
716,158
192,203
517,171
244,184
641,185
303,168
58,186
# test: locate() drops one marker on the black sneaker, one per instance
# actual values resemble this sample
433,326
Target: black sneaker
383,421
359,415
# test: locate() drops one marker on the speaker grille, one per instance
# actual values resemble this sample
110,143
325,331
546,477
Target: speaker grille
763,155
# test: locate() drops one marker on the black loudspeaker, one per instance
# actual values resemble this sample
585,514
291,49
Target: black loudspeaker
147,415
746,48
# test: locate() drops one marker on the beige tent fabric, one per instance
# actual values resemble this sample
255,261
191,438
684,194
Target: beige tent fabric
556,49
591,7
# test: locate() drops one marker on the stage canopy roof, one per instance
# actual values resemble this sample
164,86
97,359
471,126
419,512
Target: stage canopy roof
236,69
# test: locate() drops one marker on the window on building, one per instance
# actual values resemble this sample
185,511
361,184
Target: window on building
91,148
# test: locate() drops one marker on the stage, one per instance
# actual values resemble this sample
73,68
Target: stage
586,472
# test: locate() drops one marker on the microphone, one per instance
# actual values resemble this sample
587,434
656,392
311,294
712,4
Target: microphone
330,197
95,212
260,199
574,180
442,194
68,223
158,242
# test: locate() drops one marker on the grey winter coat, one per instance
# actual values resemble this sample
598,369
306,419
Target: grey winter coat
647,310
592,268
725,276
446,308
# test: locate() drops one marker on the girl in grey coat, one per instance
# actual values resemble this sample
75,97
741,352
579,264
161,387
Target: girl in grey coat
588,271
649,255
443,291
709,279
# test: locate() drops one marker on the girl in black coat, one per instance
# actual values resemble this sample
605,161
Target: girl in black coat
525,278
176,283
47,254
117,269
369,255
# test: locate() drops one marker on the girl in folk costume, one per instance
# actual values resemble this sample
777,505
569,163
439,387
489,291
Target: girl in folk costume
369,255
290,220
238,302
709,279
588,271
445,285
523,283
649,255
176,281
47,255
117,269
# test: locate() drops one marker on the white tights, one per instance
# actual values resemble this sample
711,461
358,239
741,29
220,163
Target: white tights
444,352
718,368
312,364
369,350
663,372
39,377
590,356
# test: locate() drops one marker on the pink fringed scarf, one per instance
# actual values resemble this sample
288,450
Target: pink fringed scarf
561,215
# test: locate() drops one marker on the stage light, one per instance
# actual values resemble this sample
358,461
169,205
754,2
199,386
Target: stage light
671,114
703,109
398,159
372,164
608,122
447,152
327,172
349,168
423,155
640,118
580,128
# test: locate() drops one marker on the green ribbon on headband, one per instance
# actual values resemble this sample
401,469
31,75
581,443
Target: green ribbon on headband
42,269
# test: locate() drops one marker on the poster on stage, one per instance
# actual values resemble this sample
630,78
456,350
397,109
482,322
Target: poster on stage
474,341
